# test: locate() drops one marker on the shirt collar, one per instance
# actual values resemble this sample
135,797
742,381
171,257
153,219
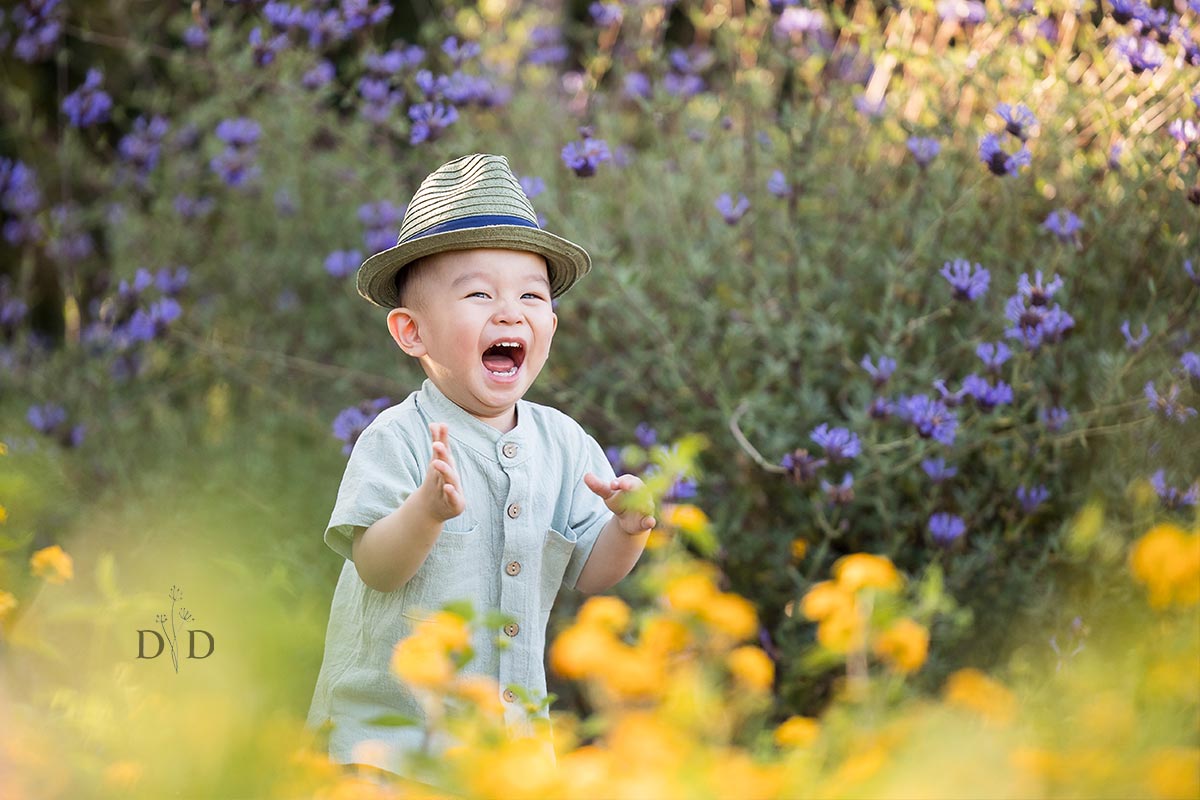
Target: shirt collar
469,431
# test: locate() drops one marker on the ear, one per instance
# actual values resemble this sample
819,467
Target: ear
403,326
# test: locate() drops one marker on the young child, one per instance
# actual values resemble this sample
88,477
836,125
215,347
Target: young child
465,491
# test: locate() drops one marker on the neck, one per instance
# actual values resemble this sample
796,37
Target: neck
504,422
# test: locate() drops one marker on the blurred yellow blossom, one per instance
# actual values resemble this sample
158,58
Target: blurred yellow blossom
52,564
971,689
799,549
904,645
686,517
3,514
664,636
734,774
7,603
423,662
516,769
1173,773
580,649
3,449
797,732
481,692
843,632
732,615
1167,561
752,668
690,592
825,599
861,570
448,630
630,672
606,612
123,775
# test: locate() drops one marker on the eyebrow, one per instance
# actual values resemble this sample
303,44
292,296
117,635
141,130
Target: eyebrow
470,276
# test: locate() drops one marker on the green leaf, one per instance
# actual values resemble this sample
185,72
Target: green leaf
394,721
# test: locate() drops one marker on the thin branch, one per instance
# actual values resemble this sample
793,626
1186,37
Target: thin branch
748,448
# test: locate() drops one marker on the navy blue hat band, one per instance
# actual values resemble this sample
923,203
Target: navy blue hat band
474,221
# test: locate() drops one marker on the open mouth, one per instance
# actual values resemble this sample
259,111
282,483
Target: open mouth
504,357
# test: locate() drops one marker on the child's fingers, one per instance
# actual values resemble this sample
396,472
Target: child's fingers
598,487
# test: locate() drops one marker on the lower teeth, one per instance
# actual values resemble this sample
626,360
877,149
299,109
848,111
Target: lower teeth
505,374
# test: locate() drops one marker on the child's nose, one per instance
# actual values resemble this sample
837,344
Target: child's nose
508,311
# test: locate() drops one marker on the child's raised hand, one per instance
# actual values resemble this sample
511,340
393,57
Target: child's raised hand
444,494
614,494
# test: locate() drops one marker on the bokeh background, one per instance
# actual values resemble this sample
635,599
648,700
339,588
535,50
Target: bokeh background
895,305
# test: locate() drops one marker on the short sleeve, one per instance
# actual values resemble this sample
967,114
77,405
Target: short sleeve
381,473
588,513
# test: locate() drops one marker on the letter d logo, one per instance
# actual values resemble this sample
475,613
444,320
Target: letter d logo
142,643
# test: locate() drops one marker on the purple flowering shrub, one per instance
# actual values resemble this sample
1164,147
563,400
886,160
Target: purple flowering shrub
924,310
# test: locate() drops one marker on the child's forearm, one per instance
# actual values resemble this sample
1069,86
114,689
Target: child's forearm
391,551
611,559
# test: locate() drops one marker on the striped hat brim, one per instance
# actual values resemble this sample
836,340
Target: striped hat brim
566,261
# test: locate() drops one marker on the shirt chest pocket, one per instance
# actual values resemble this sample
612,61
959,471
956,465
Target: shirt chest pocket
556,554
452,571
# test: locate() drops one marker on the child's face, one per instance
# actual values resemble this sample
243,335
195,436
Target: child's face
481,323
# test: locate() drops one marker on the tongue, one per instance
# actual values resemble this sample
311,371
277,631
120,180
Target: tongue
498,363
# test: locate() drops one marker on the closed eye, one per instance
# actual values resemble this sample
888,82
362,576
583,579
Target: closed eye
484,295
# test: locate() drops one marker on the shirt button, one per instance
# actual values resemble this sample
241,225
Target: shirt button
511,629
513,568
514,510
509,449
509,696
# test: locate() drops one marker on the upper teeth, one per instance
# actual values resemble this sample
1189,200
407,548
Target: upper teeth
507,344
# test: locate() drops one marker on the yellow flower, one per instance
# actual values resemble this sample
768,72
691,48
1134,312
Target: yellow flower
481,692
732,615
826,599
449,631
797,732
904,646
971,689
3,449
606,612
842,632
799,549
580,649
518,768
7,603
1174,772
688,518
734,774
3,514
631,672
690,592
861,570
1167,560
664,636
123,775
422,662
752,668
53,564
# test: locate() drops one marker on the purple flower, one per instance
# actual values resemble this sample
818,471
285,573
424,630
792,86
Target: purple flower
731,211
682,85
319,75
932,418
548,47
794,22
1190,362
999,161
264,52
1114,156
282,16
532,186
190,208
951,399
937,469
605,14
460,53
235,167
880,408
350,422
1035,324
584,156
1132,343
1055,419
1170,496
987,396
172,283
1125,10
1191,272
12,309
969,284
239,133
430,120
946,529
1184,131
195,37
40,24
1168,405
682,489
51,420
839,443
882,373
1035,292
968,12
89,104
140,147
993,355
1143,53
645,435
870,107
777,185
1017,121
841,493
1063,224
801,466
637,85
341,263
924,149
1030,499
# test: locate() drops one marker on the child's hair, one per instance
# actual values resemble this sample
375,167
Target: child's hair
404,279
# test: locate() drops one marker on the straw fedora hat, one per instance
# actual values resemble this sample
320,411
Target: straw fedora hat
473,201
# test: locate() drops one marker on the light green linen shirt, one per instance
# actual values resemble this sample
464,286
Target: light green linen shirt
529,527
